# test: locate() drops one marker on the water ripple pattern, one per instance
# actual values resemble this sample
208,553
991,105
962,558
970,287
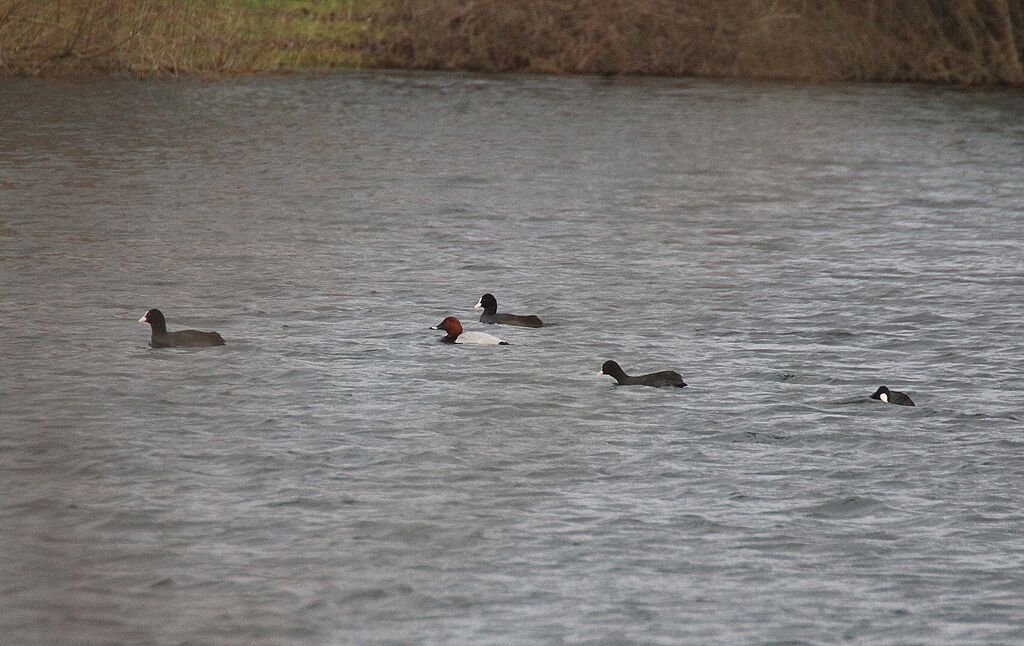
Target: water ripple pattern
335,475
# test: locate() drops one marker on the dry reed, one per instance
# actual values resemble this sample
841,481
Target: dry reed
966,41
971,42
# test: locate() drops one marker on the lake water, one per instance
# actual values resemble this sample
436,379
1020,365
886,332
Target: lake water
334,475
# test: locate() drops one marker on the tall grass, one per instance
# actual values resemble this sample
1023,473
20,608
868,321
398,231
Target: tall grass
958,41
147,37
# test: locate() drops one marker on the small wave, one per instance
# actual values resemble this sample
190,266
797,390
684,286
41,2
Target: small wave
304,503
373,594
755,436
846,507
849,401
483,267
984,416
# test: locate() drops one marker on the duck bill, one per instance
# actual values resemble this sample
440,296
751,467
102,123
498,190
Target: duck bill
143,320
478,306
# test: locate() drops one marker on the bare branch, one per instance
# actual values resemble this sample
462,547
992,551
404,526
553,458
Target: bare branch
78,32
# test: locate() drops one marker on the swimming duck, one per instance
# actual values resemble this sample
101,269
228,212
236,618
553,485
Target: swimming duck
161,338
490,315
662,379
453,327
892,397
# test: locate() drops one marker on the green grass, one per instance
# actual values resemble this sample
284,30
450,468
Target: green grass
203,37
278,35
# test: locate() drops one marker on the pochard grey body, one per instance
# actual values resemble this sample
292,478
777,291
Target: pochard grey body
453,327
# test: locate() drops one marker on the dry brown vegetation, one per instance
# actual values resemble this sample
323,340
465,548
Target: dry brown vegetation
958,41
972,42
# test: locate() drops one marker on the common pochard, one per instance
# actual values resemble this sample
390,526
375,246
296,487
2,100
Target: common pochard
453,327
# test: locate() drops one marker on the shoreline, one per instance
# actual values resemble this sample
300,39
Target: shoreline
969,46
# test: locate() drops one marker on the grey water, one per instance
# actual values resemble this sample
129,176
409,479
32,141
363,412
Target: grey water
334,475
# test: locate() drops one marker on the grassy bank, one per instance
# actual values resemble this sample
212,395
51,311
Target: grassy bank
160,37
971,42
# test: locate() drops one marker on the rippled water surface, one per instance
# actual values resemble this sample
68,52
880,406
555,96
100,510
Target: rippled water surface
335,475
